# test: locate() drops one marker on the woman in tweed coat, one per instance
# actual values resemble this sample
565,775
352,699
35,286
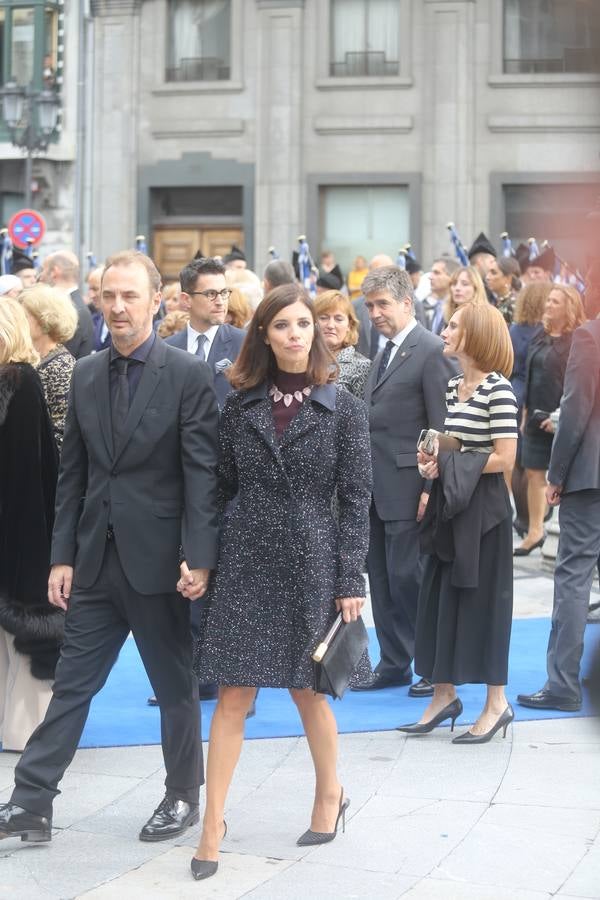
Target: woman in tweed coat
289,440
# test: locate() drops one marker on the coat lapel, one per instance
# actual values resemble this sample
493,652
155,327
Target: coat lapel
403,353
260,417
143,395
219,346
102,391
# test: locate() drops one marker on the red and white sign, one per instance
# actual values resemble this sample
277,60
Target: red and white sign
26,228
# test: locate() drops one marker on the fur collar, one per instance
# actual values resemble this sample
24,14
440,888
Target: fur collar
9,382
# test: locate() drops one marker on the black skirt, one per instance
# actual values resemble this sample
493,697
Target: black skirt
463,634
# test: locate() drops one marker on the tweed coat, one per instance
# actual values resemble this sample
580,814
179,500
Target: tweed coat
284,558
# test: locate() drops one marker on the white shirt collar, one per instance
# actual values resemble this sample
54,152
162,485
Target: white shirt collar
399,338
192,338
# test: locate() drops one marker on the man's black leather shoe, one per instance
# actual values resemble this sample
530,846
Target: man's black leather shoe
378,683
17,822
170,818
545,700
422,688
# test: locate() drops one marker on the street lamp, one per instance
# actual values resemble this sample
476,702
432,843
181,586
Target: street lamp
31,117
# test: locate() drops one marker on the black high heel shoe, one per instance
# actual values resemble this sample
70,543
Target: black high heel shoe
525,551
502,723
312,838
451,711
204,868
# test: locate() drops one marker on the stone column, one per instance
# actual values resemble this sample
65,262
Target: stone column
279,199
449,122
116,112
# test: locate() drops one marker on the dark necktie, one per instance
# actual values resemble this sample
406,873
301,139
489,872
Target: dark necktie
200,351
383,363
121,399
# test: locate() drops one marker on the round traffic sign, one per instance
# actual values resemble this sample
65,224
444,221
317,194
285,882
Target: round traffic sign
26,227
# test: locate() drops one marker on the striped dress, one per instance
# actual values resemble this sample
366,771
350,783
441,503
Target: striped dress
489,413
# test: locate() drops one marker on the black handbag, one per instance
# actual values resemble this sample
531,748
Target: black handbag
337,656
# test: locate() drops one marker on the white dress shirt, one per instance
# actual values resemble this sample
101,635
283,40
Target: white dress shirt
398,339
193,335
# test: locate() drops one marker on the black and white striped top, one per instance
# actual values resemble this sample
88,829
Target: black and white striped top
488,414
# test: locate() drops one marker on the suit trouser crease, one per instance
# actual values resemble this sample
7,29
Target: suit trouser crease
395,569
578,549
96,626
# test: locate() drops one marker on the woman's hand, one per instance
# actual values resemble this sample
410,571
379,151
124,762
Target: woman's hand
548,425
350,607
427,464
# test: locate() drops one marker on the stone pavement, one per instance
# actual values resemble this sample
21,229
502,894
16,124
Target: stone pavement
516,819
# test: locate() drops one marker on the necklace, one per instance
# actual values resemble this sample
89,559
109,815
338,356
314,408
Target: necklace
277,395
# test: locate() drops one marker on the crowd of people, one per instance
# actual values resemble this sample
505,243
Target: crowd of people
235,455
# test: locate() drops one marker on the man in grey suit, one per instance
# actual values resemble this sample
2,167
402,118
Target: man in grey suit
136,523
574,483
405,393
204,294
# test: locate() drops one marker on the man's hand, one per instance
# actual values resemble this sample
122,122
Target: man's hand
423,501
350,607
193,582
553,494
59,586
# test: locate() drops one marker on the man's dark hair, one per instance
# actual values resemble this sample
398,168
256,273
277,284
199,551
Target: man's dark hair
279,272
206,265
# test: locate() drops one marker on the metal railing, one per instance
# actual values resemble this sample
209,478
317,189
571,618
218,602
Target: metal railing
364,63
206,68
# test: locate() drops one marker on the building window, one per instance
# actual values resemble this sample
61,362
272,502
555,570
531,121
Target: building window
199,37
550,212
363,220
28,43
364,38
551,36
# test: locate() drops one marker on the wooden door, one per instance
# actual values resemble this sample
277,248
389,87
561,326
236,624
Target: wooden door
173,248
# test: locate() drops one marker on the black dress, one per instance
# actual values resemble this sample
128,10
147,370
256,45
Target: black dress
464,623
284,558
546,367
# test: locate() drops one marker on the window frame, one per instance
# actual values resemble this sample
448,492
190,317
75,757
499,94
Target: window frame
325,81
174,88
497,78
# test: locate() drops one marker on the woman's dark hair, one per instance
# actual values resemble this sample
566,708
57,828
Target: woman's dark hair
256,363
510,268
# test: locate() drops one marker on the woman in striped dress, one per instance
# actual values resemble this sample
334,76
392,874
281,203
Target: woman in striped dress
465,605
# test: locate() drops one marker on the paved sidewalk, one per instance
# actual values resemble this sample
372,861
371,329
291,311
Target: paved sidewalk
516,819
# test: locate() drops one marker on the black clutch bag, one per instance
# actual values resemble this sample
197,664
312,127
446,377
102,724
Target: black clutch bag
337,656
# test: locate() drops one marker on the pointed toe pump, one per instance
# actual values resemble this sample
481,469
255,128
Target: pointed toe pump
451,711
312,838
204,868
501,723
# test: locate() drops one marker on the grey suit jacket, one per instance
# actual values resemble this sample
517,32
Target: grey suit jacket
225,348
410,396
575,460
157,487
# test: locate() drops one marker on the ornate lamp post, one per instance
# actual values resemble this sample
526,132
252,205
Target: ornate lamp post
31,118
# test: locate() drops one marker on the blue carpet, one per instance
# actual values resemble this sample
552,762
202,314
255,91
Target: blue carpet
120,716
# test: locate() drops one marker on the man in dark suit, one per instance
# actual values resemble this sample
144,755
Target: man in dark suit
136,522
204,294
574,483
62,271
405,392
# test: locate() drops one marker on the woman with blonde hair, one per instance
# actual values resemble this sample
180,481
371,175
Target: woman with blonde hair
466,286
527,323
465,602
545,375
239,311
30,628
52,321
339,326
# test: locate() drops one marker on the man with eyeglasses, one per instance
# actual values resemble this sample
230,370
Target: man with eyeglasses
205,295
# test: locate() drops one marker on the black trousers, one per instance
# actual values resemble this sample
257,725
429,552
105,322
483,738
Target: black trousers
395,570
97,623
